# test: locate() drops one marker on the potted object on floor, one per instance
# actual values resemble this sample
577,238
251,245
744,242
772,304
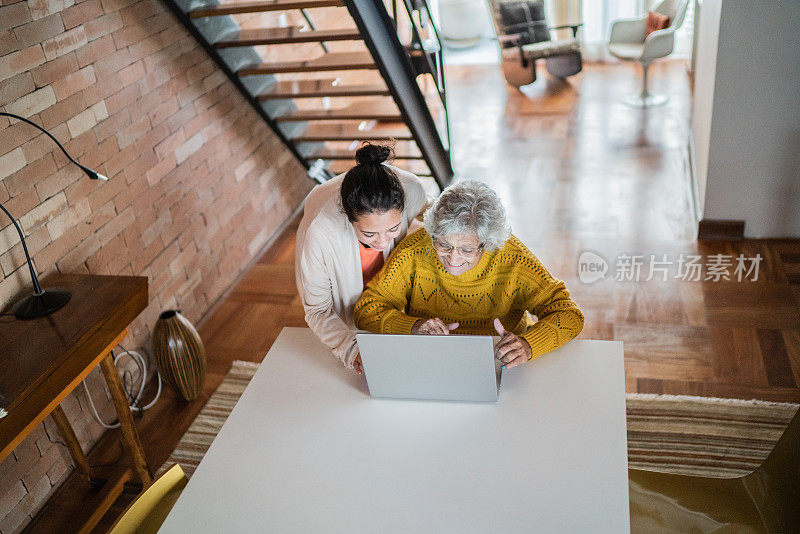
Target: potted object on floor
179,353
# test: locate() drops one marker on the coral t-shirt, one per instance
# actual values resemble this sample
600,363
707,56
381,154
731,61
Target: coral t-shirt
371,262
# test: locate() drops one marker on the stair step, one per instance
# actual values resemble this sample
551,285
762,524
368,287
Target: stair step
318,132
418,167
289,35
327,62
235,8
364,110
347,155
321,88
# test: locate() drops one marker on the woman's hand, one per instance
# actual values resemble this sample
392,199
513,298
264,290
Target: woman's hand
433,327
359,369
512,350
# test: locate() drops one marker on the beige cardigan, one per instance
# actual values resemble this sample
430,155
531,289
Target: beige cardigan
328,263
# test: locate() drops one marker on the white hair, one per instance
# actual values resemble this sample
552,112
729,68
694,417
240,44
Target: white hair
467,207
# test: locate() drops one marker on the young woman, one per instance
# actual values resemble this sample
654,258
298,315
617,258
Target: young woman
350,225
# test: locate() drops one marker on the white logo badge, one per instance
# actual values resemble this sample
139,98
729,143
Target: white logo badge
591,267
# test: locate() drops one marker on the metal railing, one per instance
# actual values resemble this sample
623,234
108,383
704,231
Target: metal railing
401,64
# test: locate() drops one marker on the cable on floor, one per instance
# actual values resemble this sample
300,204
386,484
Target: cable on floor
128,384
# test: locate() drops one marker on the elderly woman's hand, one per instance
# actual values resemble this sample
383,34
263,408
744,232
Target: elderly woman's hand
512,350
433,327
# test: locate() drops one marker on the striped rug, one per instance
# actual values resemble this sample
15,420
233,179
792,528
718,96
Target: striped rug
676,434
702,436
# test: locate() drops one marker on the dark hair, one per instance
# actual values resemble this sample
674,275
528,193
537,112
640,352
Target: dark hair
371,186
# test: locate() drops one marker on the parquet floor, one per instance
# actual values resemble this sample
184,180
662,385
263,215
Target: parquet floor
578,172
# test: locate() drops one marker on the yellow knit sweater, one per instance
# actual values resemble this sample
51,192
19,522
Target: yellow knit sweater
506,283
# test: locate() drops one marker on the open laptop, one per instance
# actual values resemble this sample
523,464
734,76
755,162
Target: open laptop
453,368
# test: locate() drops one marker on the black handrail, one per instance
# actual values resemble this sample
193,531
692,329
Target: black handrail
380,35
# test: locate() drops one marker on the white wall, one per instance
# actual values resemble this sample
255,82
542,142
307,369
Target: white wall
752,172
704,82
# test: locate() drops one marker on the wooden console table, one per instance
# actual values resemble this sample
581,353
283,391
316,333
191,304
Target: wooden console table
44,359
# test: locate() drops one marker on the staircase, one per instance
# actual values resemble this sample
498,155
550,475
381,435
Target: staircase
326,75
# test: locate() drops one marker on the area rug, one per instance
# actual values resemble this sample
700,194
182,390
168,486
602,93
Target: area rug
675,434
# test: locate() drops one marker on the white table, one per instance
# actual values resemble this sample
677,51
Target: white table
307,450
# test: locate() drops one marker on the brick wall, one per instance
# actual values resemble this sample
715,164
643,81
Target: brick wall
198,184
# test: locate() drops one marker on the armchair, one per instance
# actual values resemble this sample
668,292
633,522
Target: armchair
524,37
630,41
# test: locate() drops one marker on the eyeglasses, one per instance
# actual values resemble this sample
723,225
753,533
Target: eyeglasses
447,248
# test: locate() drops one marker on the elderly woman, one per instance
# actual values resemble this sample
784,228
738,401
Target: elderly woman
465,273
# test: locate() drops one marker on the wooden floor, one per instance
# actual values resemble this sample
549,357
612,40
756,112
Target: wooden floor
578,172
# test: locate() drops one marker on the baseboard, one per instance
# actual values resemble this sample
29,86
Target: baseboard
725,229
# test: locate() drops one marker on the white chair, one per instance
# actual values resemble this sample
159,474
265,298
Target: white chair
630,42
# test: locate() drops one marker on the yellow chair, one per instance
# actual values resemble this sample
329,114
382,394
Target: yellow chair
147,513
766,500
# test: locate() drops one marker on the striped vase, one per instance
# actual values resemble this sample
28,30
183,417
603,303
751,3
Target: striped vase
179,354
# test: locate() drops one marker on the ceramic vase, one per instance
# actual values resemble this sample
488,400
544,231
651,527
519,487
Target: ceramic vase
179,354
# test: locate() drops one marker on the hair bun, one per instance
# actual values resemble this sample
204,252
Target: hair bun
370,154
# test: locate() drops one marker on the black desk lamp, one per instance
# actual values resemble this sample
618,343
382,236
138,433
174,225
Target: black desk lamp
42,301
